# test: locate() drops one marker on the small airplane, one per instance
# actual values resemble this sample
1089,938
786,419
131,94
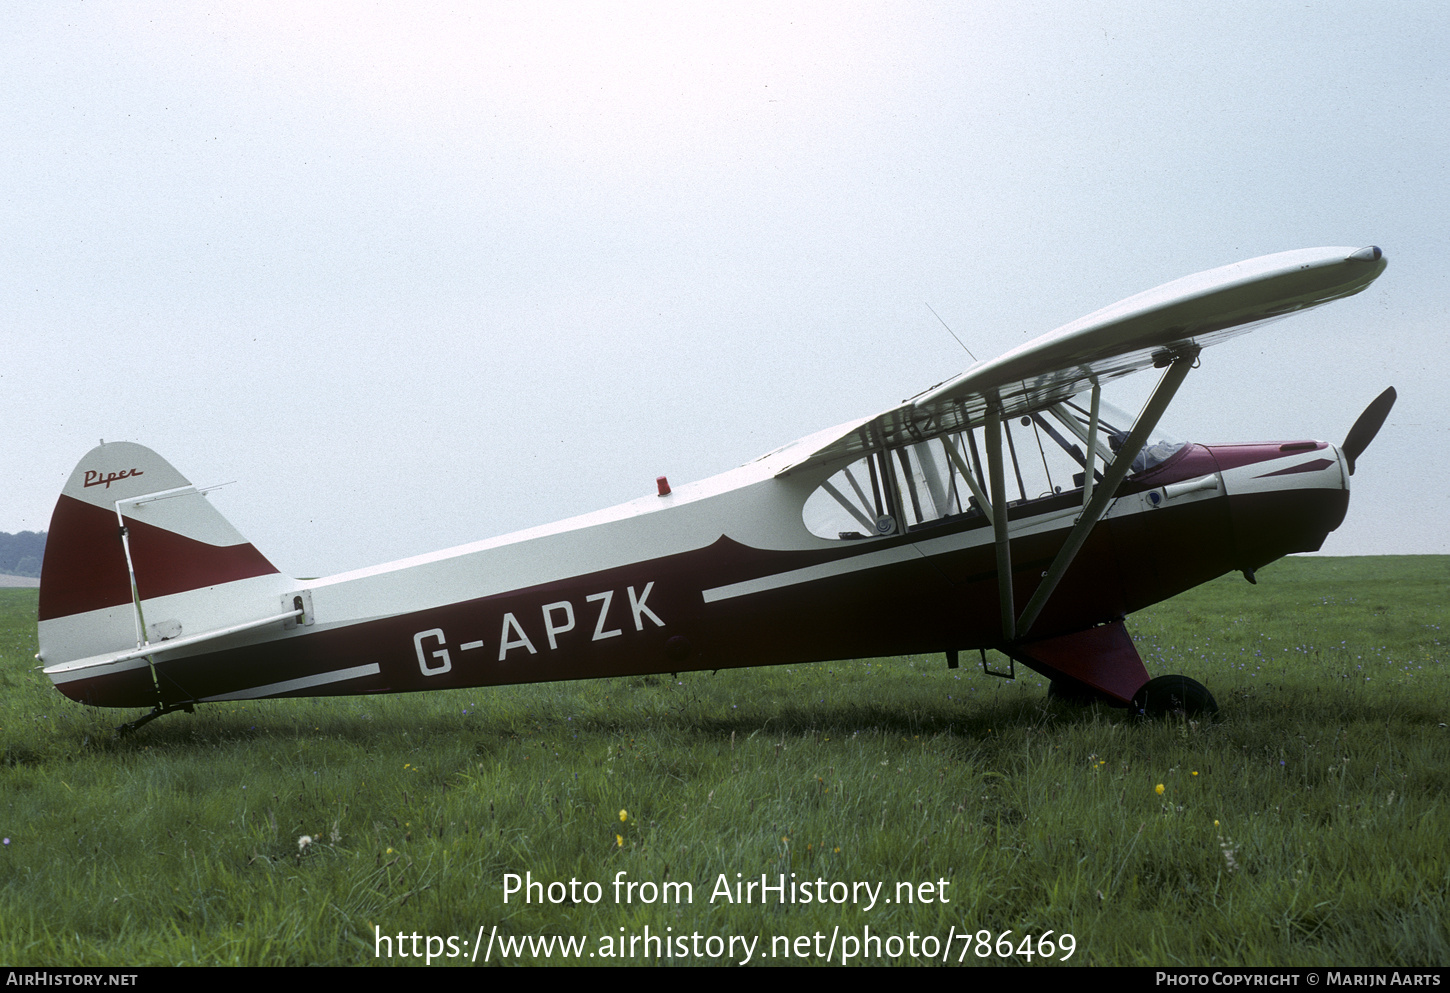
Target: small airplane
1008,508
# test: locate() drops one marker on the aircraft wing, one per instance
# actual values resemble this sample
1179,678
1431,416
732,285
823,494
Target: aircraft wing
1148,329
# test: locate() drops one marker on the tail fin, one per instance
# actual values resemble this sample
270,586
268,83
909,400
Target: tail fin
126,516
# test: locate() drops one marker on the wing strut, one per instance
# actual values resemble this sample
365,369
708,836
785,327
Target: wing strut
999,522
1116,472
1092,445
970,479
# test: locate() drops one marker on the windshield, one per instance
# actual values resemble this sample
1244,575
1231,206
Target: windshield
1116,423
925,483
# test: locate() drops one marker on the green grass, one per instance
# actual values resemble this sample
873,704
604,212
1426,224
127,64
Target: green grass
1307,826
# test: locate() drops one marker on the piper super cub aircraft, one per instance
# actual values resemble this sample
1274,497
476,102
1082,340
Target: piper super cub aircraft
1007,508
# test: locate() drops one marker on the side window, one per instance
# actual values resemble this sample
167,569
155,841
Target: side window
896,489
944,478
1044,457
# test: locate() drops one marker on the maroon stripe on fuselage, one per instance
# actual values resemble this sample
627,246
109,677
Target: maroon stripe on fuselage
1314,466
922,605
947,601
1233,456
85,563
132,688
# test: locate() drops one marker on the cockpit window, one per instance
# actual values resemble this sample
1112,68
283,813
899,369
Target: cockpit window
1116,423
943,478
896,489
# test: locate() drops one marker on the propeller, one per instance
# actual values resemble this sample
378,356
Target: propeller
1367,427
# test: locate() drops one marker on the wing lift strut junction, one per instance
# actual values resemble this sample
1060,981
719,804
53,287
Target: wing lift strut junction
1097,499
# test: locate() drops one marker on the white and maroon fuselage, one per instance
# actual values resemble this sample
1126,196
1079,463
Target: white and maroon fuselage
890,535
716,574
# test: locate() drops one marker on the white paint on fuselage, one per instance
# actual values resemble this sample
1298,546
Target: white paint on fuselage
751,505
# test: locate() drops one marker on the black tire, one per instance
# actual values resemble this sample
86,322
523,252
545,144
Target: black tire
1172,695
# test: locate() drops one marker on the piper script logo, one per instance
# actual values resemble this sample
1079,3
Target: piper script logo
94,478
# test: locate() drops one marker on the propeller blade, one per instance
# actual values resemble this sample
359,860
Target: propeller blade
1367,427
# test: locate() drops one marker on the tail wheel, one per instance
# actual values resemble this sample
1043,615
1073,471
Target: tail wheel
1167,695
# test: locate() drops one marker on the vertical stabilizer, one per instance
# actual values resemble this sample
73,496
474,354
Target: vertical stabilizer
126,514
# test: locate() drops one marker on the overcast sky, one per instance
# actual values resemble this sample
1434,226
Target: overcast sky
415,275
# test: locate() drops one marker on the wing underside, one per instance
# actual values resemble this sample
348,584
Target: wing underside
1151,329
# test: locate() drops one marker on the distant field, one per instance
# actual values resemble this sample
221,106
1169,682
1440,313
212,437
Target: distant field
1308,825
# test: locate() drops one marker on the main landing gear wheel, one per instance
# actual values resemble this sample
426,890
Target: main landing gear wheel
1170,695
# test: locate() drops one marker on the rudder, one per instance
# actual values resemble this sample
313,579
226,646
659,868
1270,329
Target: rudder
177,541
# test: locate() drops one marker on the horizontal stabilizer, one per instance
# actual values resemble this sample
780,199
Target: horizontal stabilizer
59,672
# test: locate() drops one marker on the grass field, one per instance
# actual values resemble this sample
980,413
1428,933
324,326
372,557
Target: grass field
1308,825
